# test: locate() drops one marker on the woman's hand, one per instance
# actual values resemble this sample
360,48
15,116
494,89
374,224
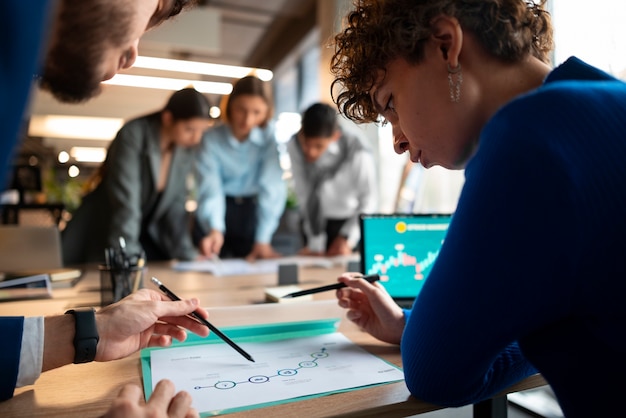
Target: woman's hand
371,308
262,250
212,244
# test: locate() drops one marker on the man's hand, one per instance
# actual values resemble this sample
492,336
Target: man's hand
308,252
339,246
164,403
142,319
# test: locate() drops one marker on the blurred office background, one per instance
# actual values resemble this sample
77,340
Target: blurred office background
283,41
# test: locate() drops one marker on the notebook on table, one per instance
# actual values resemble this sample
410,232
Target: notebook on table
402,249
31,251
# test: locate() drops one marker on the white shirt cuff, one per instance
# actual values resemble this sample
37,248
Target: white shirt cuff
31,354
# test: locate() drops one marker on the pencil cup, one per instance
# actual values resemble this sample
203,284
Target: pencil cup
117,283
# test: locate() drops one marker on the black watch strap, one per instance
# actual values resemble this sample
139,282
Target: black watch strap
86,336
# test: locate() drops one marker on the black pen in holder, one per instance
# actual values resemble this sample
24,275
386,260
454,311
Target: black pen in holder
121,275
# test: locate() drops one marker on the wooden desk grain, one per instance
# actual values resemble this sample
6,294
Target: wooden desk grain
87,390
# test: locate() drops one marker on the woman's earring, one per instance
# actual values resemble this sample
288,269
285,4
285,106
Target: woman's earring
455,79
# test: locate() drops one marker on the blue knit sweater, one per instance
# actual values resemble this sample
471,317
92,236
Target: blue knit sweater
532,274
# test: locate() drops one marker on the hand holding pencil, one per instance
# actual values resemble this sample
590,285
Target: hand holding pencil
371,278
145,318
197,316
371,308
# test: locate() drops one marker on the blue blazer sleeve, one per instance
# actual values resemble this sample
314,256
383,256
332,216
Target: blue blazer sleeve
11,329
23,35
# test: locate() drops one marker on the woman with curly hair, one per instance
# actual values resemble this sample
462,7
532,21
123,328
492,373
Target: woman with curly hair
531,274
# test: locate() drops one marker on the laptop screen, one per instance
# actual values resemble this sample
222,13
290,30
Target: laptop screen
402,249
29,248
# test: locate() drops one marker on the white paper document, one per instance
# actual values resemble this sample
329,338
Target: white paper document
229,267
238,266
219,378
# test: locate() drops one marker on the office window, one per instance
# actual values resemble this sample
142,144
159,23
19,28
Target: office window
592,31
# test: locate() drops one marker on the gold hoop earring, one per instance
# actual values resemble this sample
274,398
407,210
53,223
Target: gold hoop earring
455,79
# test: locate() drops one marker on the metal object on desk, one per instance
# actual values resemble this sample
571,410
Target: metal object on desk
354,266
121,275
287,274
117,283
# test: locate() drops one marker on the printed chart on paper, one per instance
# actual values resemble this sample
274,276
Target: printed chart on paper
218,377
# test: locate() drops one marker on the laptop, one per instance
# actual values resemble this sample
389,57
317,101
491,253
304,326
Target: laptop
33,250
402,249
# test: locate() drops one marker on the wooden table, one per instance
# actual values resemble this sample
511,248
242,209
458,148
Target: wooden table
87,390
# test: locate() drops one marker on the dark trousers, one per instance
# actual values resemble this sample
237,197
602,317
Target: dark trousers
241,224
152,249
333,227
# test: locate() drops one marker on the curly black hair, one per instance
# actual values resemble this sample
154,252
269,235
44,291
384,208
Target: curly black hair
378,31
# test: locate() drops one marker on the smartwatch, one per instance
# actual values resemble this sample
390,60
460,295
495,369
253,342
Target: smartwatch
86,335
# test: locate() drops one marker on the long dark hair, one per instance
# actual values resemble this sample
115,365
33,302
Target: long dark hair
188,104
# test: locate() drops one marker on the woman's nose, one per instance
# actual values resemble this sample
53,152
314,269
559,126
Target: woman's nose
400,143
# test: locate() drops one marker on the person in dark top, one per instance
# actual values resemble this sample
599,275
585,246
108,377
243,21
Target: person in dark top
530,276
142,187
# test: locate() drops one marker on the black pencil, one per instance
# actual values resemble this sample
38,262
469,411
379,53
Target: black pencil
370,278
197,316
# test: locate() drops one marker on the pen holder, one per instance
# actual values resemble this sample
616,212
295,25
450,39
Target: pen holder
116,283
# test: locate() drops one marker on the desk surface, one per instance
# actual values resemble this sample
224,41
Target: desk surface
87,390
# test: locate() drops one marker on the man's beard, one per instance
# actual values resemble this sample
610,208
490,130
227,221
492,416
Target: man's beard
71,77
85,30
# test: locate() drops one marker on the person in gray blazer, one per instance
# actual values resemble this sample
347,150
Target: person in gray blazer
141,188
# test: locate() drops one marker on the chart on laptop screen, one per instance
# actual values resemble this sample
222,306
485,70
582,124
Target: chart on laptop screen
402,249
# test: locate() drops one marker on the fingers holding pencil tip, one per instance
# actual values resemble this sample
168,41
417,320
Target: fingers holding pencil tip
350,280
371,278
197,315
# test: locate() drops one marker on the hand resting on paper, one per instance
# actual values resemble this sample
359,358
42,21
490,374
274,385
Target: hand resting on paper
212,243
261,251
371,308
339,246
164,403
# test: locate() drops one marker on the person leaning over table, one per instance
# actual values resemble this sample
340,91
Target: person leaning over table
241,192
141,189
531,276
335,180
71,47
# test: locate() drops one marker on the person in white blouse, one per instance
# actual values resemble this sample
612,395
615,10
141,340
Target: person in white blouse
335,180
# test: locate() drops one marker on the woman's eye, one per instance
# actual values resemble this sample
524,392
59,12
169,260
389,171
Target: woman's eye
388,112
